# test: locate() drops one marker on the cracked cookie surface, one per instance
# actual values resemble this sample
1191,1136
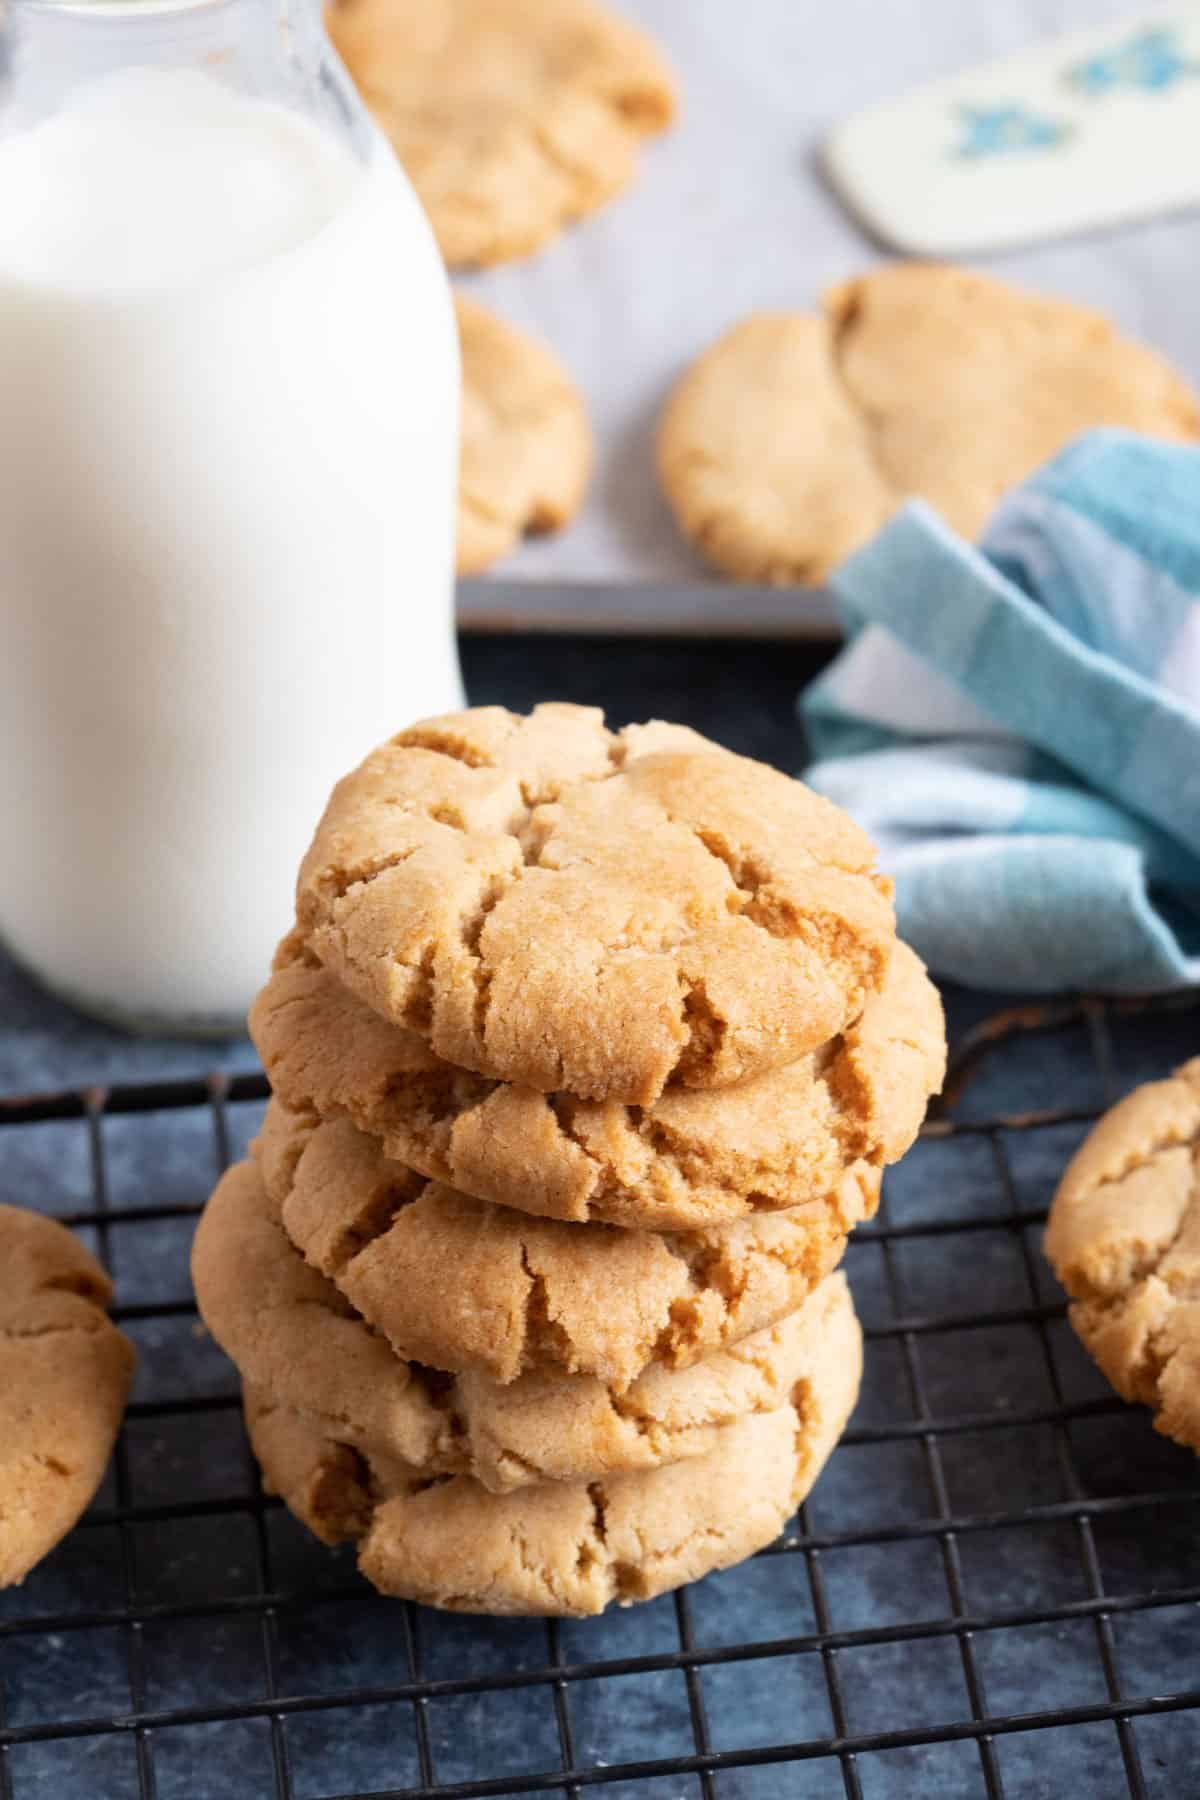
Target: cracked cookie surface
511,117
65,1372
565,907
696,1158
294,1337
464,1285
526,446
1124,1239
790,441
569,1547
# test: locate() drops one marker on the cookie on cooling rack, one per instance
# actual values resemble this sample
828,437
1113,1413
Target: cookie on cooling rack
791,440
526,446
695,1159
1124,1240
567,1547
65,1372
295,1340
565,907
460,1284
512,117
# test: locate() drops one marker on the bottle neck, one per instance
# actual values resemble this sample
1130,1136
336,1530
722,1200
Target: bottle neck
268,49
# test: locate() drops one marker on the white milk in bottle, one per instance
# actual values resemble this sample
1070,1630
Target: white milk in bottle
228,443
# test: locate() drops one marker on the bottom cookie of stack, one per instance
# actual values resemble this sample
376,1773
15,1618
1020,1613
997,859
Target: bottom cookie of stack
569,1548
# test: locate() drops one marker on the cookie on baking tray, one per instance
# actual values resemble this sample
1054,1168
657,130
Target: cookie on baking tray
294,1337
1124,1239
565,907
526,446
464,1285
568,1547
512,117
65,1372
795,436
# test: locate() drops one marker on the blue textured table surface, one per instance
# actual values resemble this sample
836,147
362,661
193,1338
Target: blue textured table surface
988,1475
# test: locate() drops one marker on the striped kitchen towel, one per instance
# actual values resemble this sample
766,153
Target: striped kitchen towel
1018,725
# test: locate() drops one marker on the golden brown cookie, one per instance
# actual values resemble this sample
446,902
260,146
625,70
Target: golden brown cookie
696,1158
567,1547
65,1372
791,440
548,1427
512,117
460,1284
1124,1240
526,447
289,1330
294,1337
560,906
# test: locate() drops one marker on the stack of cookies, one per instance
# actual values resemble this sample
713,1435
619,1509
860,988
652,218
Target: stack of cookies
587,1050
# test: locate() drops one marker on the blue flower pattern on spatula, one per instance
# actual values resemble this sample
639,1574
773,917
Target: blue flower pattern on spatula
1003,130
1152,62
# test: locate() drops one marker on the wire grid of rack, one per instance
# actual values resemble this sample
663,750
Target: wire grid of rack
993,1589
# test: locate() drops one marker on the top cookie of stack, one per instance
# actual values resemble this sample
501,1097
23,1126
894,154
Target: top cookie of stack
550,903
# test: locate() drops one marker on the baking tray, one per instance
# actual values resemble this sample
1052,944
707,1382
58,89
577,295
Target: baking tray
697,609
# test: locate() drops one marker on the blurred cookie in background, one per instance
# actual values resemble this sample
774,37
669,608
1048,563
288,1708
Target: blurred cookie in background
790,441
526,449
512,117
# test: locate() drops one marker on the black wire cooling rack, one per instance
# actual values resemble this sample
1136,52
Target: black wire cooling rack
993,1589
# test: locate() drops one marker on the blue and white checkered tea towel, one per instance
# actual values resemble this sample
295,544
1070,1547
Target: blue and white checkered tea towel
1018,726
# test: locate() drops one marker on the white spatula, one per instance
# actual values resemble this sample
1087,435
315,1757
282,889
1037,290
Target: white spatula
1088,131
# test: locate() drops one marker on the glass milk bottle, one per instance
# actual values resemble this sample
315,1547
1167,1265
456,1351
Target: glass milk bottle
228,444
